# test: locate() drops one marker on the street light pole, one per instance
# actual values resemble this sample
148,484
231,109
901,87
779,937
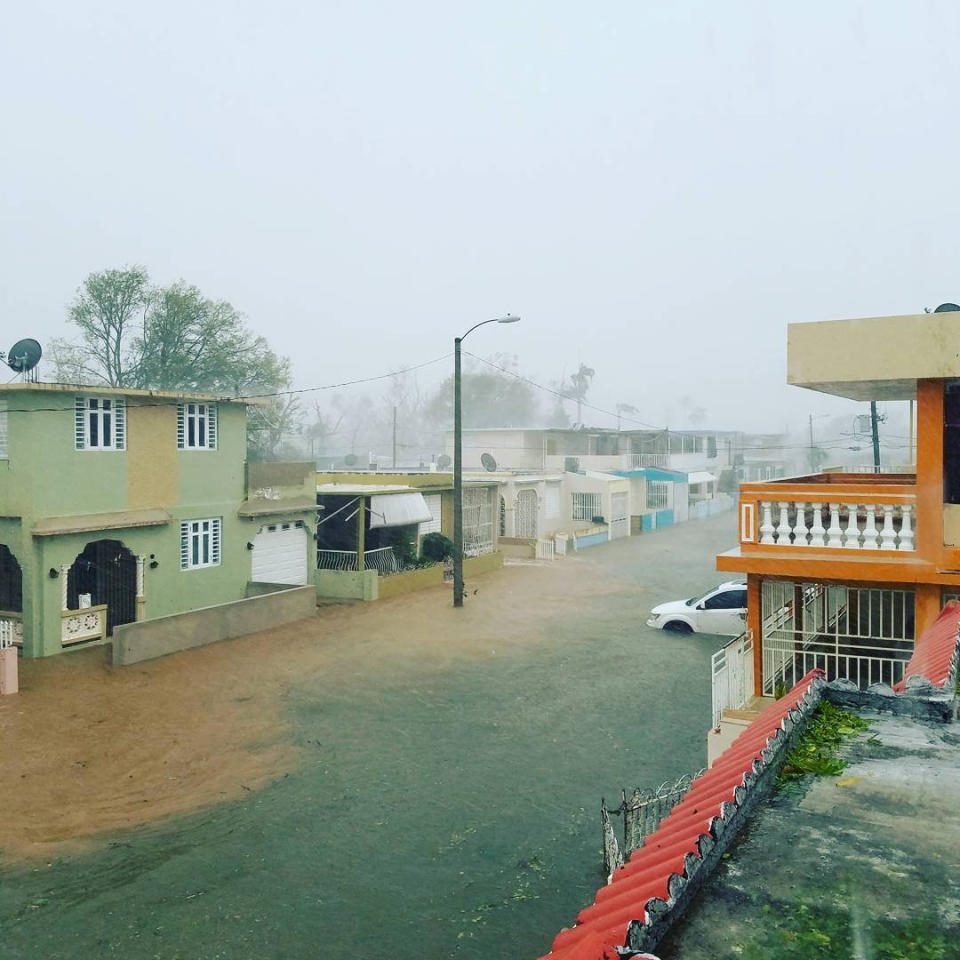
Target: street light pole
458,461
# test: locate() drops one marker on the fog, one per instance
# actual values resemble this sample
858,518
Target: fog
657,189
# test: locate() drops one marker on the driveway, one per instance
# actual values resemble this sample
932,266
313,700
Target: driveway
396,779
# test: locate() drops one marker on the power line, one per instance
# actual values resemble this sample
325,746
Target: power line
563,396
107,388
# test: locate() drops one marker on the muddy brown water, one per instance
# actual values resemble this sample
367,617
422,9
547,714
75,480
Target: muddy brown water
396,777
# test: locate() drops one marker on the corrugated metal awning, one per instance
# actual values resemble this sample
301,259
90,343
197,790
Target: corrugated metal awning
398,510
701,476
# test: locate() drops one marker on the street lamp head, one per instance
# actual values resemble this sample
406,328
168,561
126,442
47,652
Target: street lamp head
509,318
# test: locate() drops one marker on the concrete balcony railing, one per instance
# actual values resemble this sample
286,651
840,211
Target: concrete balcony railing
830,511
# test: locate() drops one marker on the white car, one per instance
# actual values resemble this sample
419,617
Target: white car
721,610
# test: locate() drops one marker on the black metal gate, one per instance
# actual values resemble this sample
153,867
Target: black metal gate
106,570
11,581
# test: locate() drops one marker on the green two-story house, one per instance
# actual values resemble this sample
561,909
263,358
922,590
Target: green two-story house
124,505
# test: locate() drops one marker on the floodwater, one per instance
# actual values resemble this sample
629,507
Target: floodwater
396,779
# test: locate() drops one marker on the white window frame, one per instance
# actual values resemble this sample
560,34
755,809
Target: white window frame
195,417
89,409
195,535
586,506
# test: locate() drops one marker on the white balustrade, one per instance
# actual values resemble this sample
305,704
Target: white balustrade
851,536
887,526
767,529
816,528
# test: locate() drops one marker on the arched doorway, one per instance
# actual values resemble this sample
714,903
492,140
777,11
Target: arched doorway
525,516
107,571
11,582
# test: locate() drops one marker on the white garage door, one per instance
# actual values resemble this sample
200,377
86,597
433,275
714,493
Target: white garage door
280,554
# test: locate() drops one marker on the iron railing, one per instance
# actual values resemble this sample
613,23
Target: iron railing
642,812
731,670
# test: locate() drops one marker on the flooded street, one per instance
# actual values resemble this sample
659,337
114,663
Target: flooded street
399,777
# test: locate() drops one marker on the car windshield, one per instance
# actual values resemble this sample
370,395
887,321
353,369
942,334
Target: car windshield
703,596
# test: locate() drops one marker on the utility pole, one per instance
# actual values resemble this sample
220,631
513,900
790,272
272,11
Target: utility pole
813,466
876,436
394,438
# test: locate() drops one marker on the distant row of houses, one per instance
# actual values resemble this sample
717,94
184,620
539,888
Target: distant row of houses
123,506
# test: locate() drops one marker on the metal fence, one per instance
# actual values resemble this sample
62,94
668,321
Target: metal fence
861,634
731,670
7,633
642,812
545,550
383,560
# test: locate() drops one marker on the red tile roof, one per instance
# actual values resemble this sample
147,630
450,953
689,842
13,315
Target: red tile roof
935,652
646,886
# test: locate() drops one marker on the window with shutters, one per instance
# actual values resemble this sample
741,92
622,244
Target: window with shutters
101,423
197,426
199,543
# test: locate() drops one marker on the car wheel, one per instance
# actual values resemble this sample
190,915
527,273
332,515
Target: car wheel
678,626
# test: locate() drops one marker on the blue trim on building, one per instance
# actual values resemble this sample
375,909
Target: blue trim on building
592,540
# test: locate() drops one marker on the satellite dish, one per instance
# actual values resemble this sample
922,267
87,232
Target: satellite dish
24,355
443,461
488,462
350,459
947,308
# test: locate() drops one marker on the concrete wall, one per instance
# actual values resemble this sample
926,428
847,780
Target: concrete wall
518,547
135,642
347,584
473,566
410,581
873,358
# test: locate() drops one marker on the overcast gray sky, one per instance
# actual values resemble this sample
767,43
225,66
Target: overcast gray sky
658,188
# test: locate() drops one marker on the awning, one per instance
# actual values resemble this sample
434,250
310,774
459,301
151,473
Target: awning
398,510
84,523
261,507
701,476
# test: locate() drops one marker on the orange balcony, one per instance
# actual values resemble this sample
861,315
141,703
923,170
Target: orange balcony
828,512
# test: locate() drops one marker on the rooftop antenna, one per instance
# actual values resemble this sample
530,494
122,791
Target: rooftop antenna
23,358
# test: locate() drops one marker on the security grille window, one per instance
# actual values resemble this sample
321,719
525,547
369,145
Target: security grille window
479,535
711,448
100,423
658,494
586,506
199,543
197,426
3,429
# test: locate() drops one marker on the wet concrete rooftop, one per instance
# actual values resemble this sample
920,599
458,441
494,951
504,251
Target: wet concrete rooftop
864,865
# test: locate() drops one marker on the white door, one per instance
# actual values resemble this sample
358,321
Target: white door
619,521
280,554
525,515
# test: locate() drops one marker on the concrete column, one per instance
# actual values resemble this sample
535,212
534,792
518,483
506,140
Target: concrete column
753,624
929,525
926,606
9,671
361,530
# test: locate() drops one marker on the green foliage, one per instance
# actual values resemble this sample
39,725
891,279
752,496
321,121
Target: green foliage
135,334
404,549
816,751
812,932
435,547
489,398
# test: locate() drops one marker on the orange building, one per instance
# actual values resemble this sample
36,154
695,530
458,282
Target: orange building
845,569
